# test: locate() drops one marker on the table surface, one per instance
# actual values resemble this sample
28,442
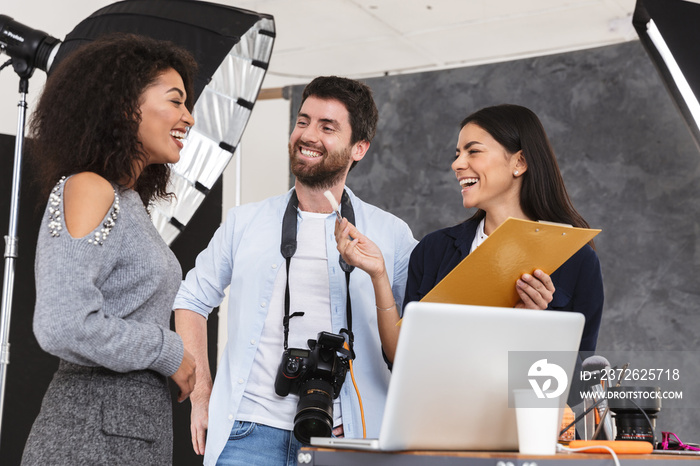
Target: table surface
337,457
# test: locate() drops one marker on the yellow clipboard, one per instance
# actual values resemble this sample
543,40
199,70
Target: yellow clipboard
487,276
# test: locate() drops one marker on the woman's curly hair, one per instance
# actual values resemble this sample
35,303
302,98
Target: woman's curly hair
88,115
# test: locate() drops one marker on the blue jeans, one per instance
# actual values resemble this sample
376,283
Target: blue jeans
253,444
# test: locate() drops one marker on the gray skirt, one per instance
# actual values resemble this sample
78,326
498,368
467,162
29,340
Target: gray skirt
94,416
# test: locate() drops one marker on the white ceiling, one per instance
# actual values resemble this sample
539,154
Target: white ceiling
365,38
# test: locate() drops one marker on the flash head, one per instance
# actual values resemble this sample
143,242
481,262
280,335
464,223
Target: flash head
28,48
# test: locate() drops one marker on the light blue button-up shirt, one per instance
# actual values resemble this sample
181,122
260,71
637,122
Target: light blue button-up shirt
245,254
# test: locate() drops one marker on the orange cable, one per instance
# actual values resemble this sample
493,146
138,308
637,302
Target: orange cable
354,383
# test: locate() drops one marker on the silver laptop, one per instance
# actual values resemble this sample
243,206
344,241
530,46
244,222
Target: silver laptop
450,386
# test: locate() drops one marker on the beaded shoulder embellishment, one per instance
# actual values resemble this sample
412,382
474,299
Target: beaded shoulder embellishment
55,216
103,233
54,210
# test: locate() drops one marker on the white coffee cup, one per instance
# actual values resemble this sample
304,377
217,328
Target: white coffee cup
538,427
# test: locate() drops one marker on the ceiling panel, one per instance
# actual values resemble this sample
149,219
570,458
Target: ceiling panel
319,24
510,37
363,38
363,58
411,17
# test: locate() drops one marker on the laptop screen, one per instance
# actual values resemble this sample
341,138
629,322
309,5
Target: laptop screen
456,365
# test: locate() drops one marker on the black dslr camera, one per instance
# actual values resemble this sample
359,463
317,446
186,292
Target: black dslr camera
316,375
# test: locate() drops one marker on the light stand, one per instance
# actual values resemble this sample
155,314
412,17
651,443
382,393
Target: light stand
11,245
29,49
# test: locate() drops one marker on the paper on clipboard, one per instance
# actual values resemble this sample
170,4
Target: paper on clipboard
487,276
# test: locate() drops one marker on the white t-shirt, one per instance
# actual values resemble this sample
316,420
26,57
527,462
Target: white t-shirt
309,293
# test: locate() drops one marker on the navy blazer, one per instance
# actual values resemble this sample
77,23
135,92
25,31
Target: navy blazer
578,282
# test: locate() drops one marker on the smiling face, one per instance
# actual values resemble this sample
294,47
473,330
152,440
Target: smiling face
487,172
164,118
320,151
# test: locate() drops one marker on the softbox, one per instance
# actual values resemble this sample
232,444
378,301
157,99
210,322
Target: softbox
668,30
232,47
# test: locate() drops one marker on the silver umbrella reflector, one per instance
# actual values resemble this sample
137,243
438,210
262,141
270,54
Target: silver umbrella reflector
221,113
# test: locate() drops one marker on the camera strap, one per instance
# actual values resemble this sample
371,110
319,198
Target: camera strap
288,247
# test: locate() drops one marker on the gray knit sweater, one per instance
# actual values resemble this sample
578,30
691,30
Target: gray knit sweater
105,299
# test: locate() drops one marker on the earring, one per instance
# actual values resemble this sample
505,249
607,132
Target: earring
515,173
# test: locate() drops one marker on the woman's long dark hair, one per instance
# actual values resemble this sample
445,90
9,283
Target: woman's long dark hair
88,117
543,195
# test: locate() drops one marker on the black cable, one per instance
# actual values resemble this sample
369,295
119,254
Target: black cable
580,416
653,433
6,64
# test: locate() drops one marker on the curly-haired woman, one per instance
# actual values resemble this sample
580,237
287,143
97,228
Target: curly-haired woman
111,118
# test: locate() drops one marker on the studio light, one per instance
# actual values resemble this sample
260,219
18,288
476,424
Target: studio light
669,33
28,48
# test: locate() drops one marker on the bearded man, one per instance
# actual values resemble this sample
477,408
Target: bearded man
288,284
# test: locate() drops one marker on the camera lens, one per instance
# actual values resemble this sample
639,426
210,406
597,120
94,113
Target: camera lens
627,403
314,416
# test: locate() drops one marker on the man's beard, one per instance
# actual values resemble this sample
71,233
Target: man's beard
322,175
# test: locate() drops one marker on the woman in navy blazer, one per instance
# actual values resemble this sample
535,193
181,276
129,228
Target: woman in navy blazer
505,167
